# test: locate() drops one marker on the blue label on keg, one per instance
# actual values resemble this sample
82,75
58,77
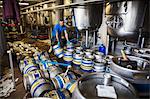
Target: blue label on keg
60,82
36,75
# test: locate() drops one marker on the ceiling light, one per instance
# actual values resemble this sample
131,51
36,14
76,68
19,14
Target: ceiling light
23,3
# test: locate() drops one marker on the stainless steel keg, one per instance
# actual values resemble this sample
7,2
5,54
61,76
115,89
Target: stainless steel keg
103,85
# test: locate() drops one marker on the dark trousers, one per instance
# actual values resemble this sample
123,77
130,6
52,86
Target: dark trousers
63,42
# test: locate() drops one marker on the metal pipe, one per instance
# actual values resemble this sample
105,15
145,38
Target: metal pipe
12,67
94,38
142,43
63,6
139,37
86,38
107,79
49,1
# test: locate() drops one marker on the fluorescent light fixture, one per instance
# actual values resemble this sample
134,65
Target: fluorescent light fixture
1,6
23,3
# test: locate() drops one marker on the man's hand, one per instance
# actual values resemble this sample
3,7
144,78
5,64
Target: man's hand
58,43
68,42
66,35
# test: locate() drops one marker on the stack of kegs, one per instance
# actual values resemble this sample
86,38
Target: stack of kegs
87,64
78,49
99,62
58,51
77,60
68,57
87,61
70,47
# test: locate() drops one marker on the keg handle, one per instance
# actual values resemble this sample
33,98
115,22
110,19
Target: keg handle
107,79
124,55
67,70
144,65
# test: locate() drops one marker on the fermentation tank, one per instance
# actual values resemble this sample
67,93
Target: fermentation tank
88,15
125,18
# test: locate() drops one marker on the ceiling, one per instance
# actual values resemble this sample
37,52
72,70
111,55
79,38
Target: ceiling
31,2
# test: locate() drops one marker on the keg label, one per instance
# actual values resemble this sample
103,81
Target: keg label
106,91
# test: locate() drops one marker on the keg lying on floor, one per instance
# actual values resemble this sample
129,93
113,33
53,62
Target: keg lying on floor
30,77
40,86
136,70
58,94
69,77
44,65
30,67
71,86
60,80
54,71
26,61
58,51
103,85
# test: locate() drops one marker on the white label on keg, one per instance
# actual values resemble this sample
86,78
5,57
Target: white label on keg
106,91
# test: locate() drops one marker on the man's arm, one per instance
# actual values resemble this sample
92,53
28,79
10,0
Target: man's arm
57,38
66,35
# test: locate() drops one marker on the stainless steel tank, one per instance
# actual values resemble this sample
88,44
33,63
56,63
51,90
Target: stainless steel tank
87,87
138,75
139,78
124,18
88,16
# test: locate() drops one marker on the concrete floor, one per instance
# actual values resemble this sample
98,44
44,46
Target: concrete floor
20,92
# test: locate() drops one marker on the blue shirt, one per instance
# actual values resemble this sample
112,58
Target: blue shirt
59,29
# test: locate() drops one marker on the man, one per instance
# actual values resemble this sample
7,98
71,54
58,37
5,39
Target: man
57,34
